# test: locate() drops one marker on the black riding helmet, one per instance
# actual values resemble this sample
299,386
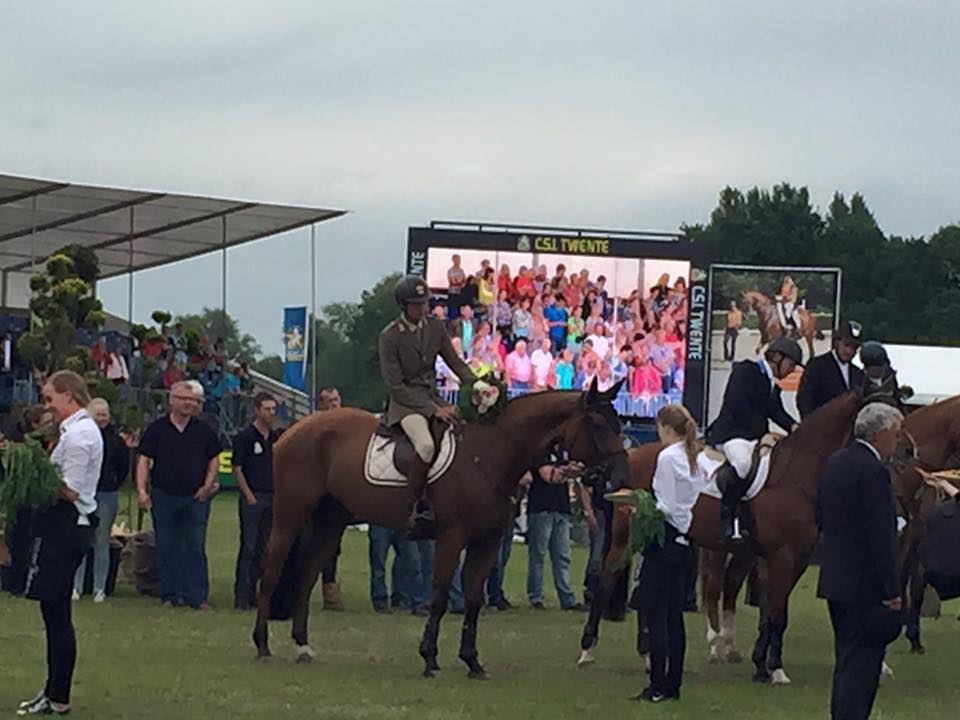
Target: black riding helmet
849,330
874,355
788,347
411,289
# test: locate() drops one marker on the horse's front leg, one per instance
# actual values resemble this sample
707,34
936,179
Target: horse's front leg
445,561
481,556
783,576
606,583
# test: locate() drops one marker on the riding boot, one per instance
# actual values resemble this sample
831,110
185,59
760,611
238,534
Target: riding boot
731,488
421,525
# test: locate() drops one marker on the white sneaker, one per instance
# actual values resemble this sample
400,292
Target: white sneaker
76,595
99,596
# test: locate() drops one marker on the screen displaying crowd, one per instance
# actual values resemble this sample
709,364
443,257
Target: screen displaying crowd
551,322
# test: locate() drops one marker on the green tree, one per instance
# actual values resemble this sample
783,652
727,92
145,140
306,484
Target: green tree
902,289
271,366
214,324
62,302
346,339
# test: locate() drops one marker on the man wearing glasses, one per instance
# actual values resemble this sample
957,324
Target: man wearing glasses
184,453
832,374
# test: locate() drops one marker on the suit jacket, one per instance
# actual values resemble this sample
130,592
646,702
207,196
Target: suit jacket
858,524
748,406
408,365
822,381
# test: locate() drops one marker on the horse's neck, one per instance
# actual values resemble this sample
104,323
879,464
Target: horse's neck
531,424
819,440
936,430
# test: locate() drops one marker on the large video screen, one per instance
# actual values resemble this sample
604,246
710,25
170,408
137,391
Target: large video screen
751,306
552,320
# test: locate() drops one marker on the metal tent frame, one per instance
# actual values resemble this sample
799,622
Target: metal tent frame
133,230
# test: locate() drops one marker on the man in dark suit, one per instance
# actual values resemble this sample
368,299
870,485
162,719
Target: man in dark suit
750,400
832,374
858,572
409,347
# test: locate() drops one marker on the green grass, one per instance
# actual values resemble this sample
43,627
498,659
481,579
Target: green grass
138,661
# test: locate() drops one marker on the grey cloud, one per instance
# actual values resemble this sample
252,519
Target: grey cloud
627,114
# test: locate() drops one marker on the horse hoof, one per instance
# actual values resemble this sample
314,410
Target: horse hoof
734,658
586,658
477,674
305,654
714,660
779,677
263,657
761,677
431,672
918,650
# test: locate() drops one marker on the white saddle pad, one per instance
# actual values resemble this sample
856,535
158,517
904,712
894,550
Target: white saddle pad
708,474
378,467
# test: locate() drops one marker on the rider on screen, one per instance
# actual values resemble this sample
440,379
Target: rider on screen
787,304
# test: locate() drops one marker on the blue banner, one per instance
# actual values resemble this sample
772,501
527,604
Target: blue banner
295,347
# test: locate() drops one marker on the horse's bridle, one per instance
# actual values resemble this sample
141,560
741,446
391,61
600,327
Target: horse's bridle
606,459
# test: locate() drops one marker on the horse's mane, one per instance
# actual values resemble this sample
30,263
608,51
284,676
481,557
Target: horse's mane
831,421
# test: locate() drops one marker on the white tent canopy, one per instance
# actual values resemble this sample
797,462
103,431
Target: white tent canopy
932,372
130,230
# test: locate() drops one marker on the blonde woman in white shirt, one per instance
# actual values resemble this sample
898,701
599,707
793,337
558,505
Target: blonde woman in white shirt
64,533
663,578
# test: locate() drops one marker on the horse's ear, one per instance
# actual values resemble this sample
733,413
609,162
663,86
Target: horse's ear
592,393
611,394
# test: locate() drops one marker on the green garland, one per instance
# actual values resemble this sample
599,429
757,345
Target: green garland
482,399
29,479
647,526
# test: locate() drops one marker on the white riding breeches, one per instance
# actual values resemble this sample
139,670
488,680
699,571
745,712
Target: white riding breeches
418,431
739,454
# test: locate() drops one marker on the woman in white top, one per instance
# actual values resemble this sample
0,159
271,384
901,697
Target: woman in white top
663,578
64,533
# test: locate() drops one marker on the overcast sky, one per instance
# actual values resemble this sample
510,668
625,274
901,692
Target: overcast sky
603,114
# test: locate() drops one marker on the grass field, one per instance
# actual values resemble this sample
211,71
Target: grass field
139,661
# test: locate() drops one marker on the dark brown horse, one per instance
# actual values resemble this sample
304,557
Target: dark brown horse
319,475
936,431
770,325
782,527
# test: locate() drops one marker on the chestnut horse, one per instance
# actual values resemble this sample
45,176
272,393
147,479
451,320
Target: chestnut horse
783,534
318,475
936,431
770,325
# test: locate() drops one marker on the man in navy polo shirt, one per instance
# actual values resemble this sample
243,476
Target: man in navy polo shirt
183,478
253,469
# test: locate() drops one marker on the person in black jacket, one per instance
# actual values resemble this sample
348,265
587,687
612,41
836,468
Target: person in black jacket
750,401
832,374
880,381
858,573
113,473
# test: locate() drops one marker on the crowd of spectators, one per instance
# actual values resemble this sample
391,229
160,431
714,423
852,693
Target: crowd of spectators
537,331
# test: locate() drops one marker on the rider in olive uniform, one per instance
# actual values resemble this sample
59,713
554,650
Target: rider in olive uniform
409,347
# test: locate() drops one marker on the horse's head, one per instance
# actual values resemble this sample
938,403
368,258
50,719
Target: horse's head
593,434
748,300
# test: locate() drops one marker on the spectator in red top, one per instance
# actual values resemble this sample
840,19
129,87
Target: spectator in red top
172,375
505,283
524,283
